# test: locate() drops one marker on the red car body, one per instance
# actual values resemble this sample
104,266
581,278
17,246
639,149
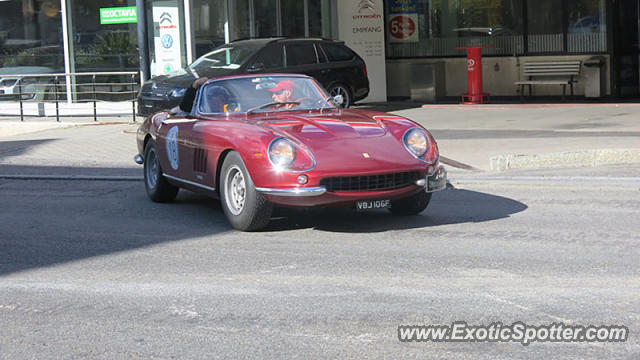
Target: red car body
331,143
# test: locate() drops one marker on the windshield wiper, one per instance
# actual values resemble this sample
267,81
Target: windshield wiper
278,104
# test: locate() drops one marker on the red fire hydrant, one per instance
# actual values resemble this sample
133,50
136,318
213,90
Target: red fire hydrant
474,73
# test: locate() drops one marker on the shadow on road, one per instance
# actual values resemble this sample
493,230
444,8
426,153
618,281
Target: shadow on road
451,206
49,222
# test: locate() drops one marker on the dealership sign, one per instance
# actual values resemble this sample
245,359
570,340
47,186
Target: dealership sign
167,39
118,15
402,23
361,27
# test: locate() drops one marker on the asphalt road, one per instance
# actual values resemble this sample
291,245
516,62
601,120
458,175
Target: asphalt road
94,270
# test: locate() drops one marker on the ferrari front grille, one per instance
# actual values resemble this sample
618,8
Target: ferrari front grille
371,182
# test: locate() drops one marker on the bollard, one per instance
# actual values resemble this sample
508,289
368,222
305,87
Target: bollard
55,89
19,82
95,110
133,101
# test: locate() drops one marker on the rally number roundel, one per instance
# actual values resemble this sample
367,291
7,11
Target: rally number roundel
172,147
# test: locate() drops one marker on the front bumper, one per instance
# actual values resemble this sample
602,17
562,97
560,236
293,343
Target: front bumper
436,181
319,196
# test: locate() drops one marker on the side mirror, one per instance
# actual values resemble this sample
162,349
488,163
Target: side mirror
255,67
338,99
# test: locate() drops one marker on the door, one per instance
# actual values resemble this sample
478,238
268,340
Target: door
268,60
626,64
302,58
176,145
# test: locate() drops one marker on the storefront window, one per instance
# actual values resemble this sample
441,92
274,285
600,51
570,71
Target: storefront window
292,17
241,19
31,37
437,27
104,37
209,18
587,29
545,26
266,18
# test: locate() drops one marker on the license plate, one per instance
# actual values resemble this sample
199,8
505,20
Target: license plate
365,205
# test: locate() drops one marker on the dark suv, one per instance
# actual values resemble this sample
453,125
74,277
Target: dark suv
339,69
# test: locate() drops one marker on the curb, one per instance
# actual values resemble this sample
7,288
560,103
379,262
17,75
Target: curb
584,158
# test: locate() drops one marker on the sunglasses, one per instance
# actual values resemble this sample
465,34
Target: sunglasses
279,92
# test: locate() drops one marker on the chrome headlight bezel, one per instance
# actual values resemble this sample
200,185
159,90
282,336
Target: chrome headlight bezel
280,160
408,140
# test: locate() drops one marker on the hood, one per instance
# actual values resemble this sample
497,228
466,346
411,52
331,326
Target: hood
184,77
317,127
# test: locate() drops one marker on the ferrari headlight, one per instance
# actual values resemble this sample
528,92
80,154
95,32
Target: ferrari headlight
282,153
416,141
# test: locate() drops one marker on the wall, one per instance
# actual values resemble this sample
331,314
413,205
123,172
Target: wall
499,74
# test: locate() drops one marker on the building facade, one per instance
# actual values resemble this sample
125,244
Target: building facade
159,36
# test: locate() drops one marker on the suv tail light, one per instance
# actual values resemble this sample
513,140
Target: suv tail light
364,69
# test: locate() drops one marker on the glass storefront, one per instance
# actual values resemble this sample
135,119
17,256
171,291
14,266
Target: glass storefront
100,43
31,37
434,28
209,21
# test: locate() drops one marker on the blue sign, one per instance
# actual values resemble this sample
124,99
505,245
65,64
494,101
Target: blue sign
167,41
403,6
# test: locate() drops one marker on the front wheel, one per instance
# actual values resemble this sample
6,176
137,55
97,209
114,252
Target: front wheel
158,188
411,205
245,208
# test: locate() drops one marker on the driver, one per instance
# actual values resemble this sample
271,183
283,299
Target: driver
283,92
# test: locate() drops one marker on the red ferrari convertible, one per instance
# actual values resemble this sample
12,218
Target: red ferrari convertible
261,141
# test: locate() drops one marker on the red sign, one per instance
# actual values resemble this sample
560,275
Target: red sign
402,27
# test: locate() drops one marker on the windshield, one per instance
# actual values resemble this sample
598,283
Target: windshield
262,94
226,57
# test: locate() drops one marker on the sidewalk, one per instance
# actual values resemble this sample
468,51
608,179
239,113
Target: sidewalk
484,137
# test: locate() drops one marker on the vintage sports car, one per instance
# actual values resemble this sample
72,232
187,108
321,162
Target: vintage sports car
259,141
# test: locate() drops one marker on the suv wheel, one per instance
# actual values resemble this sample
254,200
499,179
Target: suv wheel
340,89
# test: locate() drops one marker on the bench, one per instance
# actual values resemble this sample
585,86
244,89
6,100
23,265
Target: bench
549,73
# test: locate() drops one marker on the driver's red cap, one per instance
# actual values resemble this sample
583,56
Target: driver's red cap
283,85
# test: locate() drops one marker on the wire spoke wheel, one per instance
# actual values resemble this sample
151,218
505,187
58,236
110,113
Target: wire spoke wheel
151,169
235,190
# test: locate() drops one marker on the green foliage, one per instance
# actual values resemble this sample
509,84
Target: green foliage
113,47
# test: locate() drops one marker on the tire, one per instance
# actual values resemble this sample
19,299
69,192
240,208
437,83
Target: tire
341,89
245,208
411,205
158,188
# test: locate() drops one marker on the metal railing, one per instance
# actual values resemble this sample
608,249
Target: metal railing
43,88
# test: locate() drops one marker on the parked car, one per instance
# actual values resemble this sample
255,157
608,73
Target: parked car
31,88
339,69
247,145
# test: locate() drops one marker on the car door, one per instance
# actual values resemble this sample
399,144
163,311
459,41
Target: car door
176,145
302,58
268,60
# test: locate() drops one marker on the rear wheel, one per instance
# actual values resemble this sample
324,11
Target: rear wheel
245,208
411,205
341,89
158,188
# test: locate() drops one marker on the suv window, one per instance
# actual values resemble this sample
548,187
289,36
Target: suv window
270,57
336,52
301,54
